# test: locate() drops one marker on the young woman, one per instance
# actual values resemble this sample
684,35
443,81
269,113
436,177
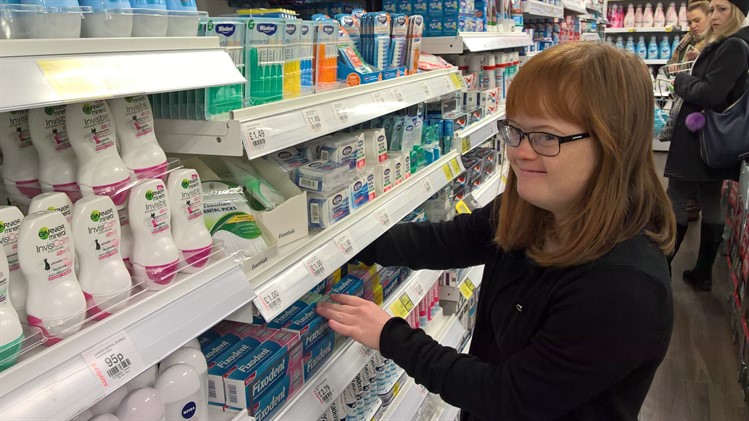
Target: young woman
697,19
718,79
575,312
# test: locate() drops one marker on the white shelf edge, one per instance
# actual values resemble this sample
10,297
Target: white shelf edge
449,413
288,274
643,30
218,414
284,123
157,325
56,47
475,42
575,7
656,62
415,287
543,10
481,131
475,274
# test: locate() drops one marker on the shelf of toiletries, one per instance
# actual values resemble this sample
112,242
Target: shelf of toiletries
264,129
481,131
475,42
644,18
575,6
644,30
539,9
56,71
654,50
69,377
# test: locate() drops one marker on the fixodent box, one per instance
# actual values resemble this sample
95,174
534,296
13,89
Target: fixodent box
450,7
279,357
435,7
419,7
205,338
288,315
226,363
309,326
349,285
217,347
269,403
318,353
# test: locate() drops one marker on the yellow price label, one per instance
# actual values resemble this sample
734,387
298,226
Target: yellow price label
406,301
82,77
448,172
455,166
466,288
631,30
398,310
457,80
668,29
461,207
465,144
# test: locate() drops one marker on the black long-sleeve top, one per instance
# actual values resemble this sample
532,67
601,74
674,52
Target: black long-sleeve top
576,343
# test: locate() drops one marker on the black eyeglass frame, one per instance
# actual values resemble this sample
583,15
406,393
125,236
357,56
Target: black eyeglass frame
527,135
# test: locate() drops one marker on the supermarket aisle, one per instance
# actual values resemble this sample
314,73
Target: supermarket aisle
697,380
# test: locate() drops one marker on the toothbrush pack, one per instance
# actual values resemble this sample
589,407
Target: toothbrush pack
265,60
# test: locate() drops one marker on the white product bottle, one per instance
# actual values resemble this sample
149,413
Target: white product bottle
104,279
20,162
683,23
144,379
11,332
100,168
647,16
195,359
188,227
487,73
58,165
179,387
143,404
86,415
55,302
55,201
105,417
109,404
139,149
659,18
629,18
192,343
10,226
638,16
155,255
672,17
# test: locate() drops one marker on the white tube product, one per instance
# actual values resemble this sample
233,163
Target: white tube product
58,165
100,168
55,201
104,279
155,255
109,404
188,227
139,149
11,332
10,226
55,302
20,162
143,404
144,379
179,387
195,359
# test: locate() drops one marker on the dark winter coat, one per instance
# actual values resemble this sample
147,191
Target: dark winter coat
718,79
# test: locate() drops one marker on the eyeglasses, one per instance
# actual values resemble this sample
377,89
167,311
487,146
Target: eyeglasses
545,144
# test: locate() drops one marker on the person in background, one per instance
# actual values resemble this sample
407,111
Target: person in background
717,80
575,312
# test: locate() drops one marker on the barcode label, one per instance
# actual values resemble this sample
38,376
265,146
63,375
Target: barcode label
340,111
346,245
313,119
324,392
383,218
308,184
398,94
271,300
255,136
233,393
114,361
378,98
364,350
426,89
427,185
315,266
418,290
314,213
212,389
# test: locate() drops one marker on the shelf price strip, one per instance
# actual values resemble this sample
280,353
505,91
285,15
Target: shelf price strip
346,245
340,111
398,94
114,361
467,288
255,136
313,120
402,306
324,392
316,267
270,300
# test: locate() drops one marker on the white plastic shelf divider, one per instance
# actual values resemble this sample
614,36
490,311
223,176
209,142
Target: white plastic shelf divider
591,36
57,71
539,9
217,414
267,128
56,383
643,30
289,277
449,413
342,367
481,131
575,6
656,62
475,42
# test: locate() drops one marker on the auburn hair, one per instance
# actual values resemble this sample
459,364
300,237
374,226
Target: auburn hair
609,93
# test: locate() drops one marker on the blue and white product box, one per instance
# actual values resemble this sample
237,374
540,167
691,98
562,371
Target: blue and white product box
383,173
450,26
224,365
349,285
390,6
205,338
309,326
358,192
451,7
319,176
398,170
405,158
419,7
466,6
318,353
435,7
405,7
341,150
368,174
434,26
217,347
277,359
289,159
327,208
269,403
286,318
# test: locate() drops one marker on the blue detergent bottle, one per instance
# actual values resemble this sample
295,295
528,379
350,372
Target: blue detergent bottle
665,50
653,49
642,48
631,44
619,43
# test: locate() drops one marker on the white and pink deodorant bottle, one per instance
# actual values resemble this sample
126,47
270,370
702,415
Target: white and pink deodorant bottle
188,227
20,161
104,279
155,255
10,227
138,146
54,201
55,302
58,165
11,332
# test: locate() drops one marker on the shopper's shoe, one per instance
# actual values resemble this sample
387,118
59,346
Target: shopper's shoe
701,276
701,280
681,232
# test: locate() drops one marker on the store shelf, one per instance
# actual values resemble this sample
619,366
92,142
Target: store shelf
481,131
475,42
643,30
590,36
57,383
267,128
56,71
537,9
473,275
403,301
218,414
288,277
575,7
655,62
343,366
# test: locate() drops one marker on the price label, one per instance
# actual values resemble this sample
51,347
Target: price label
631,30
346,245
405,299
398,310
378,98
465,144
340,111
448,172
383,218
466,288
427,185
324,392
455,166
270,301
426,89
364,350
457,81
255,136
418,290
114,361
461,207
398,94
313,119
316,267
668,28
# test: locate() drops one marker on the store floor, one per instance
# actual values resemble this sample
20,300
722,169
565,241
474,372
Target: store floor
698,378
